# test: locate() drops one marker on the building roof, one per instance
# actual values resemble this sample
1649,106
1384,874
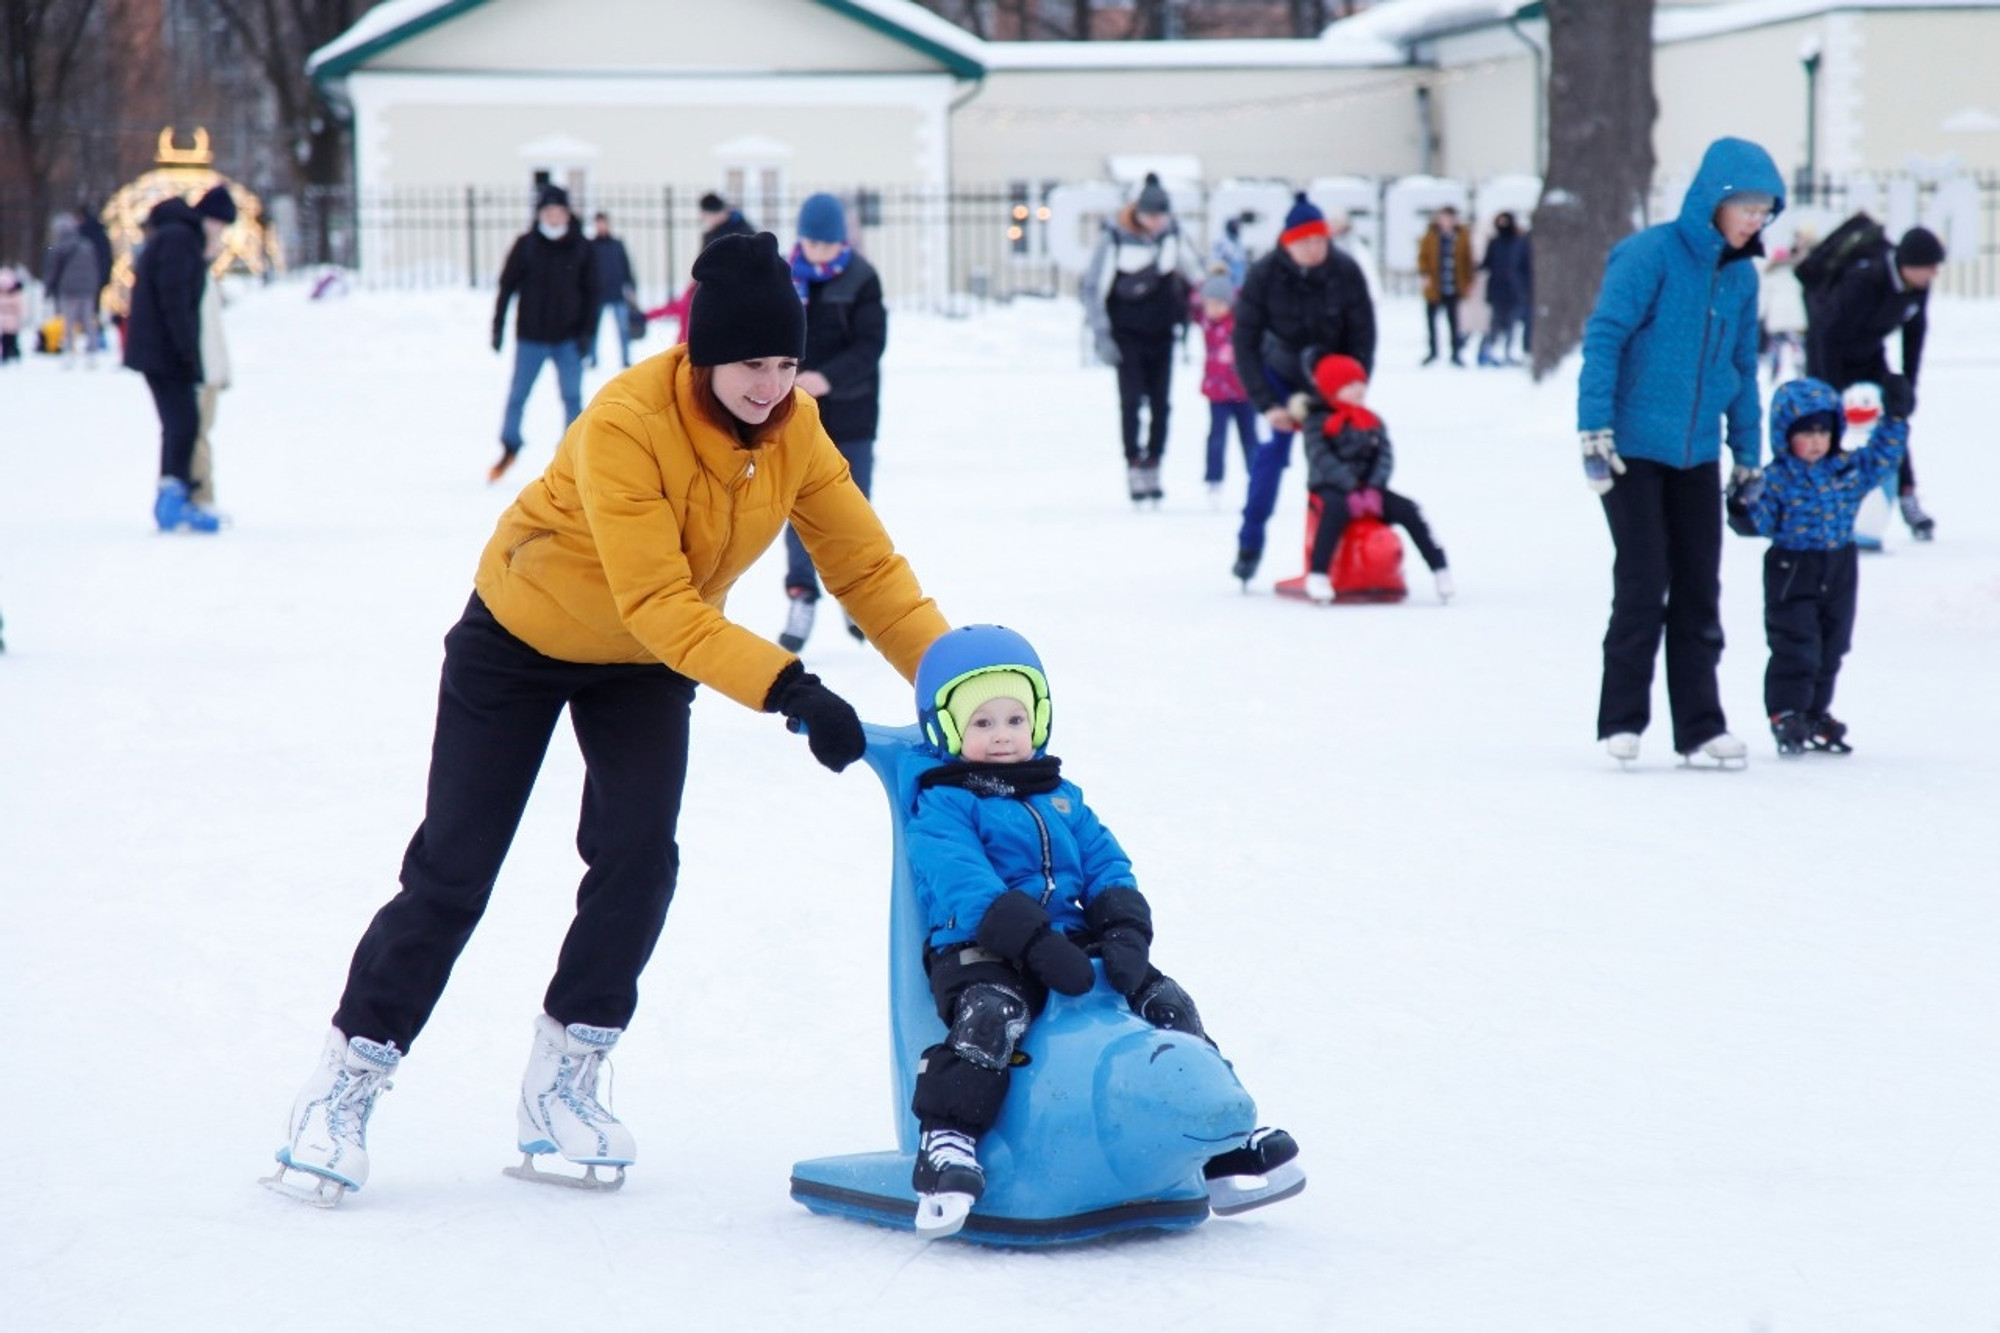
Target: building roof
1383,35
965,56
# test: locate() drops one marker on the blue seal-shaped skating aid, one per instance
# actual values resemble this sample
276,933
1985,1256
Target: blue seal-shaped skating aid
1105,1128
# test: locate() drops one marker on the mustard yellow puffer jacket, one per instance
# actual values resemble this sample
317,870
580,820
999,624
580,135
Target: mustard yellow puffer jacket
625,549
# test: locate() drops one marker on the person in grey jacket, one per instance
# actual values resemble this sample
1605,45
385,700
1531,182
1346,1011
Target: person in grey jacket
1135,300
73,277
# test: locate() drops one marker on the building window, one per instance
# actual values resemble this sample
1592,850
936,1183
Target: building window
1028,218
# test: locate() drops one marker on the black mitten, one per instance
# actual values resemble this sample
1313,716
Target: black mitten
1016,928
1123,923
1899,396
832,727
498,336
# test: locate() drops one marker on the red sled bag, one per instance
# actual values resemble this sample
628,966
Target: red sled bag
1368,566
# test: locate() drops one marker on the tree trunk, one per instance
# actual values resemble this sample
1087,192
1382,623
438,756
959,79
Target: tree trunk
44,48
1601,111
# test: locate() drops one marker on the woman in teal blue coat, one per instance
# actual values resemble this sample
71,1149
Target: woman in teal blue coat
1669,361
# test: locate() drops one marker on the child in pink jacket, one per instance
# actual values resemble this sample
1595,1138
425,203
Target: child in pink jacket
1215,311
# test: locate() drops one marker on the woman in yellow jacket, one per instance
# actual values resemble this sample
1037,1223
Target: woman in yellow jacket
602,591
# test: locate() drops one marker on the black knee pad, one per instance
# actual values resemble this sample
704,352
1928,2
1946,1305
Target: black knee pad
1164,1004
987,1024
953,1091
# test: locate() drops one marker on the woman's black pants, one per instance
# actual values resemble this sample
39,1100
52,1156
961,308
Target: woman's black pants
498,704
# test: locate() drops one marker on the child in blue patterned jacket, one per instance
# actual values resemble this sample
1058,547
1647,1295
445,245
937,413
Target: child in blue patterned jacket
1016,878
1805,501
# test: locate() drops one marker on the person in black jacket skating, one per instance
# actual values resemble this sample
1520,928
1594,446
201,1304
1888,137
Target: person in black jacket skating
1304,295
163,340
1877,294
550,267
847,328
720,218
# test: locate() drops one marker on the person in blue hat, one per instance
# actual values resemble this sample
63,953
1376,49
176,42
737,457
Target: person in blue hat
1017,878
847,330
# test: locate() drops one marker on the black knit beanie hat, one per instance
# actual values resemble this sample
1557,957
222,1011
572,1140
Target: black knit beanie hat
217,204
745,305
1919,248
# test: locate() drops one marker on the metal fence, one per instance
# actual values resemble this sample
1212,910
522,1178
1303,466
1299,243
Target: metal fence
934,248
942,249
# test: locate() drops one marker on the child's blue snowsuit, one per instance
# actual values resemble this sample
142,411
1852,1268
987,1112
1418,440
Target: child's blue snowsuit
1810,572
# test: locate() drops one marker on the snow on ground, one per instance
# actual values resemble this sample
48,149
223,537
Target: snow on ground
1568,1048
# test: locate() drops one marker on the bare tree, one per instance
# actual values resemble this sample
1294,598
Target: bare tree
279,35
46,54
1601,111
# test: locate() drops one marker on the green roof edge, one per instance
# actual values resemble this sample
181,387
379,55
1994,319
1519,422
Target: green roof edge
960,64
344,63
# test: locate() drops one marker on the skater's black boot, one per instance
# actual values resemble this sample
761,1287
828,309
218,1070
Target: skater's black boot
1246,564
1791,731
1264,1170
948,1180
1828,734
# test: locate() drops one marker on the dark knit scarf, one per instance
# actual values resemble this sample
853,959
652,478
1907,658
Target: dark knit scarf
805,272
1030,777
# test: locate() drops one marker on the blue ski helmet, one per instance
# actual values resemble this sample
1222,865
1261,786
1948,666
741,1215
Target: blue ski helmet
968,651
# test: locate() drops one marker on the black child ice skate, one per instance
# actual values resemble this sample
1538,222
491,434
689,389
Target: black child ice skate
1264,1170
1791,731
1828,734
948,1180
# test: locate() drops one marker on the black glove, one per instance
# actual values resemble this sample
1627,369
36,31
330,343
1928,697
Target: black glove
832,727
1123,923
498,335
1016,928
1736,505
1899,397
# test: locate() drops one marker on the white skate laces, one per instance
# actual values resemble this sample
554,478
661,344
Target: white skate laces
329,1122
559,1111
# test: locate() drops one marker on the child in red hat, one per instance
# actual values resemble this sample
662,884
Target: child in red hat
1348,462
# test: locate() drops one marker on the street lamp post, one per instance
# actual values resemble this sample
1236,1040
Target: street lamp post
1809,58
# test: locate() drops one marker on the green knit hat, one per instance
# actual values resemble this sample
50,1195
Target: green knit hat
966,698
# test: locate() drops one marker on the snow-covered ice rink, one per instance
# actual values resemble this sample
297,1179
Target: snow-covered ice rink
1568,1048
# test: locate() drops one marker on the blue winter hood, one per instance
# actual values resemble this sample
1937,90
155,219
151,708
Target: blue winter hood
1802,398
1729,165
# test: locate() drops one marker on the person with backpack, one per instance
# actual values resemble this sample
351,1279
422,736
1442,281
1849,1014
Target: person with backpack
1135,300
1860,292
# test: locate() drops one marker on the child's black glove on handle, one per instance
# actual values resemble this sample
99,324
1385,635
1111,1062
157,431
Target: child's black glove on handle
832,727
1016,928
1899,396
1123,922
